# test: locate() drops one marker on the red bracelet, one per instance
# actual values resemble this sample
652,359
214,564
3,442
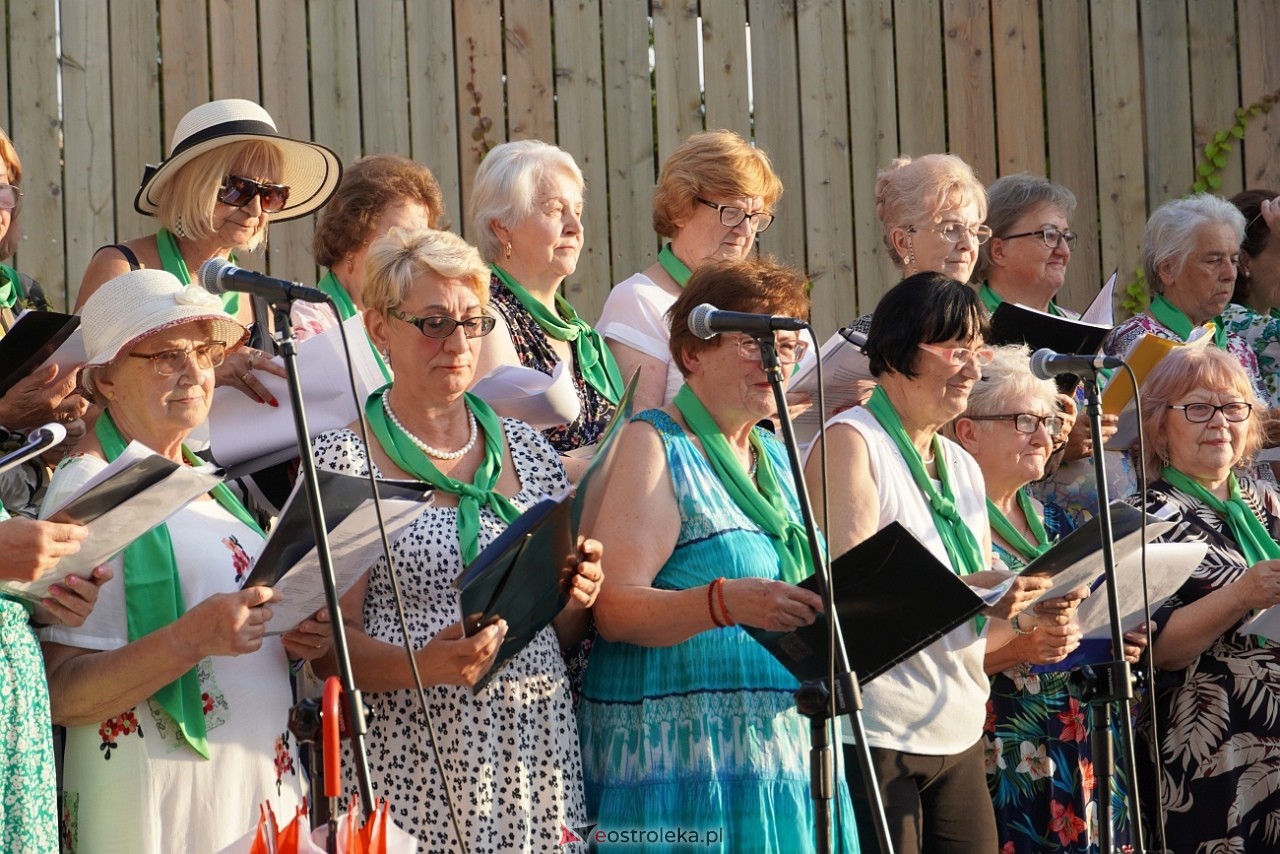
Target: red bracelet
711,605
724,609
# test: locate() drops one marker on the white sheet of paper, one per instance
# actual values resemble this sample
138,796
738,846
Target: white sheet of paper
1101,310
844,367
1168,566
70,355
1265,623
1091,568
355,545
243,429
992,595
530,395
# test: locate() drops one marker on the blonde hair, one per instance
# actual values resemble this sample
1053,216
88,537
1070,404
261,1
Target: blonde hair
506,187
187,201
10,239
1178,374
712,163
923,189
397,260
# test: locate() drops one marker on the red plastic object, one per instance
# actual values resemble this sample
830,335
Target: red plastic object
331,723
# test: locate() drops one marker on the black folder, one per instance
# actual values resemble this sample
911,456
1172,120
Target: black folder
894,598
30,342
1017,324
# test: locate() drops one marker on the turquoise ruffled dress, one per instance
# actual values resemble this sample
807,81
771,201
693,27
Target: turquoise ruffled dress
701,737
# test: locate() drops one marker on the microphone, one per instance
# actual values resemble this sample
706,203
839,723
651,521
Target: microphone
220,276
1046,364
707,321
38,441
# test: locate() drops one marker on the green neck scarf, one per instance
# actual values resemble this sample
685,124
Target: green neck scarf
992,301
675,268
172,261
963,550
153,595
595,362
1173,318
764,504
471,496
10,290
347,310
1011,535
1247,530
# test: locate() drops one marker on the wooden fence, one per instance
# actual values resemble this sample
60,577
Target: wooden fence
1114,98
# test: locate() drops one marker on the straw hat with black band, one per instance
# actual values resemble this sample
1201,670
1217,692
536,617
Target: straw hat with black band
310,170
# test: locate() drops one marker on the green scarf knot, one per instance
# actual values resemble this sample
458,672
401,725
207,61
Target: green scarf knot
1000,523
1175,319
1254,540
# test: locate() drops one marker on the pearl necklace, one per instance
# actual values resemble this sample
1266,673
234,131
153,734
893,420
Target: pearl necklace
427,449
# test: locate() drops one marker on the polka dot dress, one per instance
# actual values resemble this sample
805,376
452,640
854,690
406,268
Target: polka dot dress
510,753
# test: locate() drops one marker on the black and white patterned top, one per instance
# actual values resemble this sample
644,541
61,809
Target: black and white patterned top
511,753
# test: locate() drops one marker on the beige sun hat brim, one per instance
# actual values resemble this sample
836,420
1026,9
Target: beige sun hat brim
310,170
140,303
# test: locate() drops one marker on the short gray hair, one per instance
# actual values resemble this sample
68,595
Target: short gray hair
1168,235
1010,197
1008,382
506,185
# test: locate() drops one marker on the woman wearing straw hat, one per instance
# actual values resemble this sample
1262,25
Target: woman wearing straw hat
228,173
175,703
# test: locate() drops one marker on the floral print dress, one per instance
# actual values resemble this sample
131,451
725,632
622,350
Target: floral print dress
1262,333
1218,717
130,784
1036,741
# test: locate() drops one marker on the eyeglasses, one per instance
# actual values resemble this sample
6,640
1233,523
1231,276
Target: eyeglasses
959,356
442,326
731,217
1051,235
954,231
1025,422
238,191
789,352
10,196
1200,413
170,362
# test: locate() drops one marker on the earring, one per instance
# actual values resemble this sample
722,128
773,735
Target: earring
1247,274
180,229
911,256
508,249
351,266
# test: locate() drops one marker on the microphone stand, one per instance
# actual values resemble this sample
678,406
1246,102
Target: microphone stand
355,718
813,698
1112,681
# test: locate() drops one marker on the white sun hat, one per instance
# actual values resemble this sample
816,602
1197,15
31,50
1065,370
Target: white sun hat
311,170
139,303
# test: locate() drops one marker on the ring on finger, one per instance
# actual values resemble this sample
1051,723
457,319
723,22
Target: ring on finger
244,378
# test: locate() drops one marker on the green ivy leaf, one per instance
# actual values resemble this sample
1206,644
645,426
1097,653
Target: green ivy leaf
1220,161
1226,146
1205,169
1210,150
1215,182
1199,186
1220,136
1238,131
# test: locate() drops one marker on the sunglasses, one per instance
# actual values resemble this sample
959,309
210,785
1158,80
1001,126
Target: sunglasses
238,191
10,197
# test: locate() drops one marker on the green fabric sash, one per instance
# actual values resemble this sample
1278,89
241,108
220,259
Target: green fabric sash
992,301
962,548
153,596
595,362
764,504
11,289
471,496
1173,318
172,261
1246,528
1011,535
347,310
675,268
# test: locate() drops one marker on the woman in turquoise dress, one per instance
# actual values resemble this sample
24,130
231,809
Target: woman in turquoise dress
688,726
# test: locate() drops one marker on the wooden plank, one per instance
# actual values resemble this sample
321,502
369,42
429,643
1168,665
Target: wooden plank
629,136
580,119
86,104
1119,143
184,79
1167,100
433,107
136,133
724,63
825,140
530,105
916,32
971,131
873,120
286,95
776,86
233,39
384,77
676,70
1215,87
482,122
1019,92
4,79
1260,76
335,76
